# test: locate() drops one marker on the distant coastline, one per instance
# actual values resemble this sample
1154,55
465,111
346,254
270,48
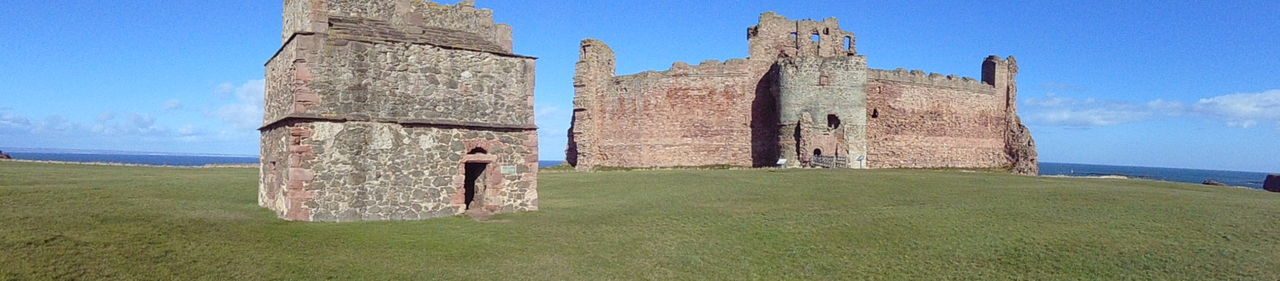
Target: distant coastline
132,164
1253,180
131,158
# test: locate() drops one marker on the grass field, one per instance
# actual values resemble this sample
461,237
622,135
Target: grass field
94,222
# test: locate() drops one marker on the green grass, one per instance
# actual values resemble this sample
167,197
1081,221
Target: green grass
94,222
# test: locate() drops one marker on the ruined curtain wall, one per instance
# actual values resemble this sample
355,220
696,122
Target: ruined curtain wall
687,116
926,121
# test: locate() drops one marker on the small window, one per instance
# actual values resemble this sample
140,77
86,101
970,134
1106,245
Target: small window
875,113
848,43
833,121
817,152
817,38
794,35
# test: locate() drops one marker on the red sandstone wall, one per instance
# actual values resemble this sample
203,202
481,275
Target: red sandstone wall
922,125
688,116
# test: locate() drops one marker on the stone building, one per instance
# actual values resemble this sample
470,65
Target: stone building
803,97
397,110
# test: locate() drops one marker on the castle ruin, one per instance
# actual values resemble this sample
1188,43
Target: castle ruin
803,97
397,110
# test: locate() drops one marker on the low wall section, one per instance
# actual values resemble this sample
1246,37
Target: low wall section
918,120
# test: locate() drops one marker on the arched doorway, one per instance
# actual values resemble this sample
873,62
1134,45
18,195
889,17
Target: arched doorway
474,180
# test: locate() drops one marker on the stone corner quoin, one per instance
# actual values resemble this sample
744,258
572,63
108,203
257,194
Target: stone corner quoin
397,110
803,98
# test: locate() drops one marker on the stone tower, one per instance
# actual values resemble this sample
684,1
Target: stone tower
821,90
397,110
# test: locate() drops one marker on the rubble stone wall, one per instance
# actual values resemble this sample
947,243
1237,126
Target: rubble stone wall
822,105
918,120
713,113
413,16
778,36
374,108
360,171
775,105
690,115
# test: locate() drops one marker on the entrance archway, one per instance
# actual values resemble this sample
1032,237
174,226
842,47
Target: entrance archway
475,179
473,184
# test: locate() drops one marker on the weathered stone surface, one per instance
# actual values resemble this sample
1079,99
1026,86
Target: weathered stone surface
821,107
376,108
776,105
1272,183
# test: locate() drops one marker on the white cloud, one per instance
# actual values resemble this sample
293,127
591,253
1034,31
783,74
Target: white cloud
188,130
1053,110
551,118
10,123
134,125
54,125
1088,118
1168,107
1235,110
245,111
106,116
1242,110
172,104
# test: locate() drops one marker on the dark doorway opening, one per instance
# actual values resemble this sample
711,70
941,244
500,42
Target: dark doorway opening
833,121
817,152
473,181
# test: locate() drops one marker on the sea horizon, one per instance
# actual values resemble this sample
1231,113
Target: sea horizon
1249,179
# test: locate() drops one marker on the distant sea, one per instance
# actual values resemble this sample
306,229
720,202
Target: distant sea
1245,179
1233,178
125,157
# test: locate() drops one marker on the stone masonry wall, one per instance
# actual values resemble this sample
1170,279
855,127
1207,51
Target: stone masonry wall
416,81
687,116
918,120
320,76
822,103
749,112
713,113
778,36
359,171
312,16
374,108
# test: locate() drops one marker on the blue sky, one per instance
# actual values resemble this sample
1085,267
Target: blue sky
1151,83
